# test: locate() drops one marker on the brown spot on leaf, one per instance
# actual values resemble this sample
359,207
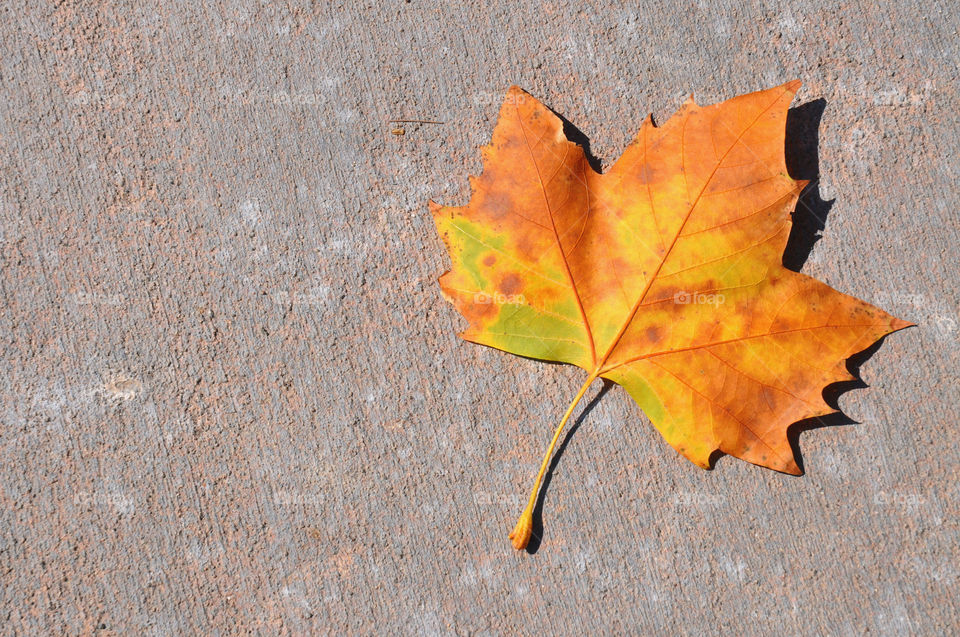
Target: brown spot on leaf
511,283
497,204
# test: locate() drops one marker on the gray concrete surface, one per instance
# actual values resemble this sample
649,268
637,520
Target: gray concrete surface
233,399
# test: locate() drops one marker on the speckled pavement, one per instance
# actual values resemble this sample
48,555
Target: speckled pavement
234,400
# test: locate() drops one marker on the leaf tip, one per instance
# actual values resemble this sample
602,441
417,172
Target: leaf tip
513,92
444,289
899,324
793,86
469,334
793,468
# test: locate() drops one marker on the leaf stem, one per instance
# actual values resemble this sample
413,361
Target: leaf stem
521,532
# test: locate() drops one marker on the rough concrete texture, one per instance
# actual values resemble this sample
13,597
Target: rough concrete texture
233,398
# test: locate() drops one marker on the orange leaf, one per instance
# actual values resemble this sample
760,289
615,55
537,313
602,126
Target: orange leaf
663,274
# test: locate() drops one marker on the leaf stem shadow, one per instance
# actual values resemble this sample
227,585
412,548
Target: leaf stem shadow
536,536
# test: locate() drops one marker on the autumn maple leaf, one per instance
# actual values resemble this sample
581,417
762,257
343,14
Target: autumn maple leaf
663,274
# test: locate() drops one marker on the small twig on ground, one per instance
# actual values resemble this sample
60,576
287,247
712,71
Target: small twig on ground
413,121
